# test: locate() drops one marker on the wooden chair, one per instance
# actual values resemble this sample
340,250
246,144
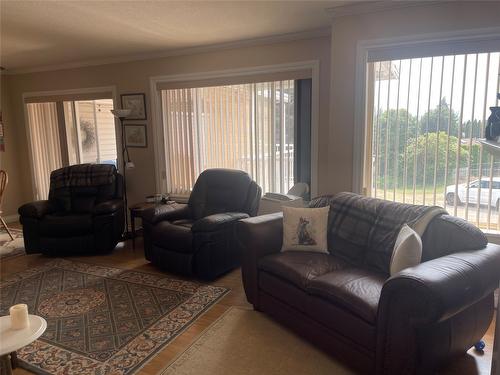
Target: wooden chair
4,180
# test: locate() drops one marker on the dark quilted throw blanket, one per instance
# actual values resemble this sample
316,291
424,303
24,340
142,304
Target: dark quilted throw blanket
363,230
83,175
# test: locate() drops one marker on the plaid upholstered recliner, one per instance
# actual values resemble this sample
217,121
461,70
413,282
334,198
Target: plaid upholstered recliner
84,212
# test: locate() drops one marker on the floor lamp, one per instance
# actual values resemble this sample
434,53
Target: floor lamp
122,114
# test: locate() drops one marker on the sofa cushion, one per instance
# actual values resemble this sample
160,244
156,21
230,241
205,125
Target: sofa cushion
300,268
407,250
83,199
283,290
448,234
338,319
219,190
63,225
187,223
355,289
305,229
351,244
363,230
323,311
173,237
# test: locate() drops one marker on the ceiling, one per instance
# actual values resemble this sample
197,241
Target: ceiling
45,33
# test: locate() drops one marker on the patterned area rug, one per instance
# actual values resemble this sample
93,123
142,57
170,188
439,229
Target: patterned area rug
102,320
11,248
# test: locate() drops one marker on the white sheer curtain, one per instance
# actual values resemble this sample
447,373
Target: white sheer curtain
248,127
45,144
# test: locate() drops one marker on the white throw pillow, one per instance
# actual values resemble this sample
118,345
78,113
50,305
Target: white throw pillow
305,229
407,250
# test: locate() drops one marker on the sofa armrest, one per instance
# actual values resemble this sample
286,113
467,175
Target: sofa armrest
36,210
108,207
449,284
257,237
217,221
169,212
429,294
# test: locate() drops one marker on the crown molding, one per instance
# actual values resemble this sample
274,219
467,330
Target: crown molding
366,7
273,39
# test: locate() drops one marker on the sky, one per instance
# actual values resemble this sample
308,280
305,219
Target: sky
480,82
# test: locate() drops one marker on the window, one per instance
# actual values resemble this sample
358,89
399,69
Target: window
249,127
90,131
45,145
428,115
66,133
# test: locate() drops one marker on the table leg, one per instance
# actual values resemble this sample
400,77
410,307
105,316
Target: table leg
6,367
13,360
132,223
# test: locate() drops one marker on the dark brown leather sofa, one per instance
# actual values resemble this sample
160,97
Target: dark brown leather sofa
197,238
410,323
83,216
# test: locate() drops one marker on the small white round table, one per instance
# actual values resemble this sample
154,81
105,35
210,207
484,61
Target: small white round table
15,339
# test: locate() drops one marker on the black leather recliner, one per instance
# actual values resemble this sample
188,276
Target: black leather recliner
84,212
197,238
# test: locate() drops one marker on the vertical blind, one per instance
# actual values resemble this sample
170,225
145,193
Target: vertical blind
248,127
83,133
428,117
45,144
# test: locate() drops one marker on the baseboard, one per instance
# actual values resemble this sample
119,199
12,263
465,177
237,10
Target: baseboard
11,218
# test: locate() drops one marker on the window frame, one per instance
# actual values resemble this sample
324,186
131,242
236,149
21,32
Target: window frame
362,104
61,95
159,136
362,109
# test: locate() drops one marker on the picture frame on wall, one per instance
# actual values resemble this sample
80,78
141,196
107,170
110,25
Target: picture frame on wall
136,103
136,135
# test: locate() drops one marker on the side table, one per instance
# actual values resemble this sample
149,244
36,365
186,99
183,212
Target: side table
136,210
15,339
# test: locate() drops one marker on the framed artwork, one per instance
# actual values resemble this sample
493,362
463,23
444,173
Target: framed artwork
137,103
135,135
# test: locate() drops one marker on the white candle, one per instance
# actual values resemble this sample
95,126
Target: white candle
19,316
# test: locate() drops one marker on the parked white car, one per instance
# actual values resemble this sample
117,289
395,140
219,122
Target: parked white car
474,191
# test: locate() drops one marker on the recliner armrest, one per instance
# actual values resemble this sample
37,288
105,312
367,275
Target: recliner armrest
108,207
37,209
169,212
217,221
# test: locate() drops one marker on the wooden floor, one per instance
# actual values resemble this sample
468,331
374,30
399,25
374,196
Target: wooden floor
125,257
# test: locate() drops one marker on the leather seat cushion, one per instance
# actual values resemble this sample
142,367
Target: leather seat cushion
184,223
343,321
323,311
356,290
300,267
283,290
63,225
172,237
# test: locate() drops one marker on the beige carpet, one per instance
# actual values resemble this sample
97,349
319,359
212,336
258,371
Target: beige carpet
246,342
